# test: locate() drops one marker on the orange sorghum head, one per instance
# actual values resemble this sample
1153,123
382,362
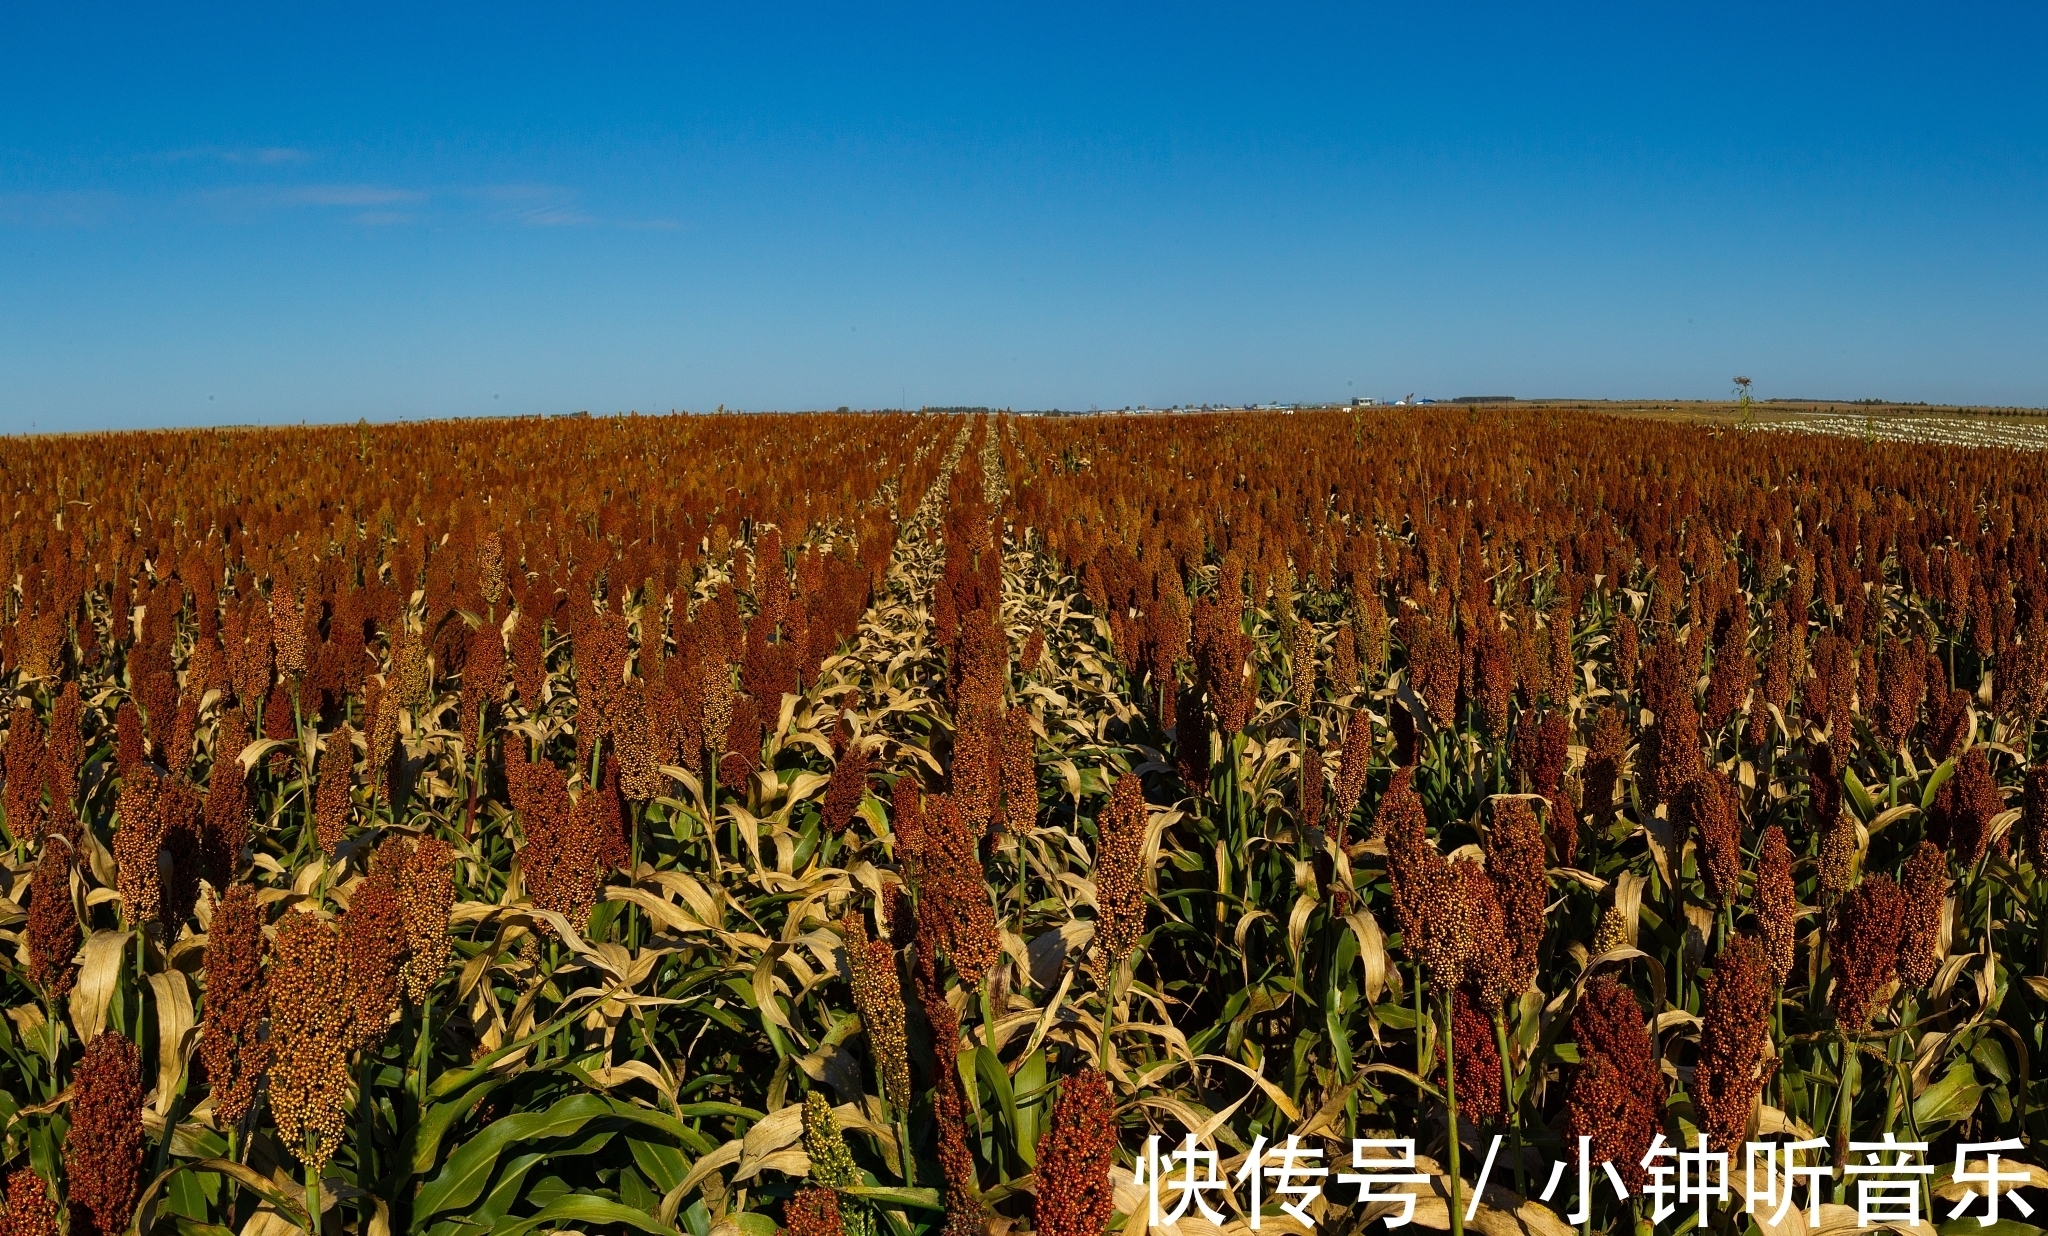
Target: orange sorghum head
230,1041
1075,1157
311,1024
103,1151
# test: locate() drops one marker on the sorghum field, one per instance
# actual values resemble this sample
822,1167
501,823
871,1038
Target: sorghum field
879,825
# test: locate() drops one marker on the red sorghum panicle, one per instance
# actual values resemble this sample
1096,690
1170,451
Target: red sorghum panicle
1019,770
1493,681
1617,1095
52,920
380,708
411,675
426,894
1191,755
1924,884
601,814
1705,810
1309,790
30,1212
483,680
878,995
1075,1158
1354,762
1902,685
331,798
1479,1078
2034,816
1948,723
226,809
288,629
529,661
1736,1015
490,569
65,753
1864,943
1837,854
310,1030
848,786
103,1152
373,938
633,737
1824,784
230,1040
1627,644
812,1211
24,758
1221,650
558,860
1671,747
955,891
1606,751
949,1101
716,692
1433,668
1514,862
1034,650
741,755
1733,672
1541,749
1964,807
1490,966
1119,875
1435,928
1777,903
136,842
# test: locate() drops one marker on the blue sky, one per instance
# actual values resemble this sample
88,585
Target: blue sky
212,215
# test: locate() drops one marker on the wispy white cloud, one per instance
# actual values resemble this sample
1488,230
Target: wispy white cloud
269,156
259,156
58,208
346,195
553,216
545,205
363,204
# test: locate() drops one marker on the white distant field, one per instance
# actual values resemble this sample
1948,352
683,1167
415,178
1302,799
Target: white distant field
1933,430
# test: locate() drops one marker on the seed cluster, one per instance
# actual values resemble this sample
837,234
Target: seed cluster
1119,875
1617,1095
1729,1075
231,1040
311,1029
103,1151
1075,1158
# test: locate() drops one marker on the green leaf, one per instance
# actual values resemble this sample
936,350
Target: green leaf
1030,1118
469,1169
2004,1227
580,1208
506,1193
1991,1056
1866,806
998,1082
1942,772
1394,1015
439,1118
710,1111
892,1195
664,1165
1948,1100
1340,1042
